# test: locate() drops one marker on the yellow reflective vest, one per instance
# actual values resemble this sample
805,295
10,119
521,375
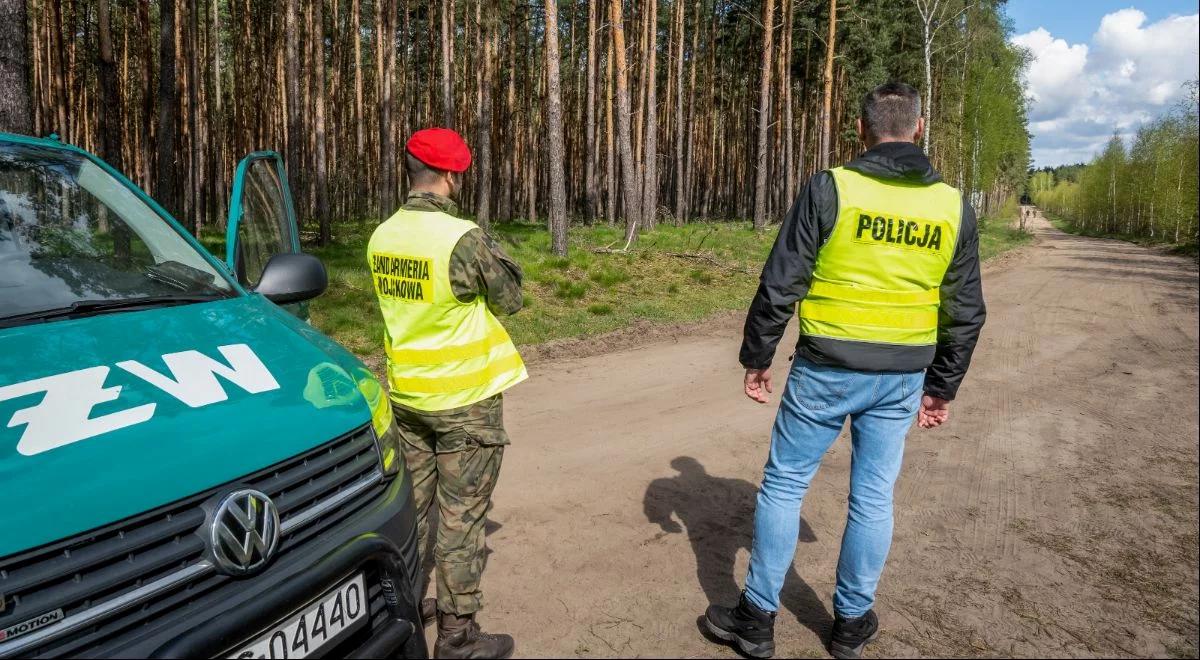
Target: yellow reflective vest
441,353
876,279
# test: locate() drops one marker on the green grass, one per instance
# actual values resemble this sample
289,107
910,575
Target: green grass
1000,232
1186,249
587,293
997,235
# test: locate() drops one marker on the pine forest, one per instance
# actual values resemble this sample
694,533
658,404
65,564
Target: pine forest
626,112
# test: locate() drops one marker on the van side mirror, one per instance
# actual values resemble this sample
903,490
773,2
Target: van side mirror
292,278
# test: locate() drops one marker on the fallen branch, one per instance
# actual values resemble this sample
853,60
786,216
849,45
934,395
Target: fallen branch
625,250
696,256
630,235
707,259
704,238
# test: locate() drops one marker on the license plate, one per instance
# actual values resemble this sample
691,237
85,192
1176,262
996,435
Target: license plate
303,634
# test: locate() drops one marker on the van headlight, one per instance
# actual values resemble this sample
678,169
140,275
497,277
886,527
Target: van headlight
382,422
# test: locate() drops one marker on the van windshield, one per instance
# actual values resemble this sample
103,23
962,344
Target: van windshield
73,237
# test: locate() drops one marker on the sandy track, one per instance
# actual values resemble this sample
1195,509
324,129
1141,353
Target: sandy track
1055,515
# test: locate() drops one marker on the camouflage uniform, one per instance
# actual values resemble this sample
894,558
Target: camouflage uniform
454,455
477,265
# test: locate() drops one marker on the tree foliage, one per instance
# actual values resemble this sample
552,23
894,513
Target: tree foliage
1148,190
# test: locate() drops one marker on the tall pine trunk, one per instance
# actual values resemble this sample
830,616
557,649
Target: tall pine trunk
168,103
682,132
483,139
823,157
147,123
385,15
16,102
789,157
321,182
689,166
650,153
220,122
59,67
447,60
590,153
629,190
558,191
764,117
610,149
359,118
292,80
511,123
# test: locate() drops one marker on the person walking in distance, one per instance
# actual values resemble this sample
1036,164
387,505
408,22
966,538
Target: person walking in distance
882,260
441,282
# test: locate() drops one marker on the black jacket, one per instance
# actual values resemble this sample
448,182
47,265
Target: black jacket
786,275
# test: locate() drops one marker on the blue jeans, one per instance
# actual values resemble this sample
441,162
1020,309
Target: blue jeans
814,406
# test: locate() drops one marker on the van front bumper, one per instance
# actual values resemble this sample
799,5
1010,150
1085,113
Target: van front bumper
146,587
379,541
217,615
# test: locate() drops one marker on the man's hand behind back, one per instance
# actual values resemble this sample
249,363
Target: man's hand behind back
933,413
758,384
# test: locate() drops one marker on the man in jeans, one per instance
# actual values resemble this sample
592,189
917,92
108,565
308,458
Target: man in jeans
882,259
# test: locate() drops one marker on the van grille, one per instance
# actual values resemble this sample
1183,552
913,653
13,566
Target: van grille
97,568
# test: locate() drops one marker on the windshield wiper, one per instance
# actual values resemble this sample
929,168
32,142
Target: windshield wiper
92,307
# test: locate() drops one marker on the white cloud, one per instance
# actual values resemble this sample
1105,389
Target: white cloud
1130,73
1054,81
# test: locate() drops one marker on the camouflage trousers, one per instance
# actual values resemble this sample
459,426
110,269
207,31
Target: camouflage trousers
454,458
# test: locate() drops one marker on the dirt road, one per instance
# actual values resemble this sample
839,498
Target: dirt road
1055,515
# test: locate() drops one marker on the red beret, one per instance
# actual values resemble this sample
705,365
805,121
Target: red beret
440,148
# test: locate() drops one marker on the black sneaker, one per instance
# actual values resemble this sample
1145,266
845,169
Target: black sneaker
745,626
850,636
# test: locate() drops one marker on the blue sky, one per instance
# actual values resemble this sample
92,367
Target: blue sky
1076,21
1102,66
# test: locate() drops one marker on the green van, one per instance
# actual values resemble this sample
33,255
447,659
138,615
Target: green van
190,469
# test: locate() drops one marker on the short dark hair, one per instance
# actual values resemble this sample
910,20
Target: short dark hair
891,110
419,173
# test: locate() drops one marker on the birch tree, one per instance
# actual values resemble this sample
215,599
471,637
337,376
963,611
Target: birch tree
935,14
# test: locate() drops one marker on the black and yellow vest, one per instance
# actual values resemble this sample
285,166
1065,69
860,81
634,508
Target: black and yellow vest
877,278
441,353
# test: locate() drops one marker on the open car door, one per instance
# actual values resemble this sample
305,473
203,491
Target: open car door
262,220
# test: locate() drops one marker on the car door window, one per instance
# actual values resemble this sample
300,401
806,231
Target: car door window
262,221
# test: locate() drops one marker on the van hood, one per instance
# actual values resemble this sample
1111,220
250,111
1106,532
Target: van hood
106,417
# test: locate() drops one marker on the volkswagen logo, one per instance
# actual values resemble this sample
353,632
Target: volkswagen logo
244,532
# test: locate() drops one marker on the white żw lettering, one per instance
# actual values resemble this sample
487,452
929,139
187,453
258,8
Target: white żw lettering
195,374
62,416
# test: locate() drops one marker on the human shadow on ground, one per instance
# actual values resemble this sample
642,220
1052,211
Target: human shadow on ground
718,515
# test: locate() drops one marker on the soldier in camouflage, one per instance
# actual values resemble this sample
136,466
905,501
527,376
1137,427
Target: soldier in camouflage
454,456
478,266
